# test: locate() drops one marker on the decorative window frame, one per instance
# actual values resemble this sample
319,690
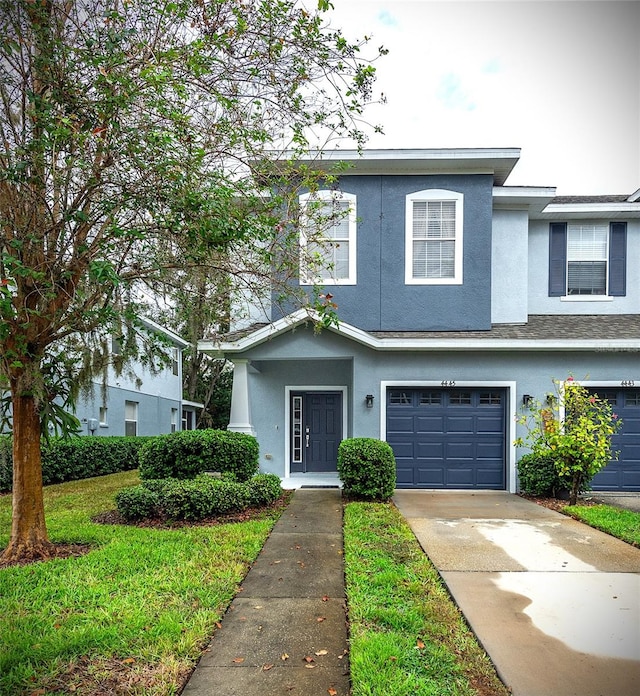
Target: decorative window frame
306,278
431,195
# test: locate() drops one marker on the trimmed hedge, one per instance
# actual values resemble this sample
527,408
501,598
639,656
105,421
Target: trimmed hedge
70,459
195,499
264,489
538,475
186,454
367,468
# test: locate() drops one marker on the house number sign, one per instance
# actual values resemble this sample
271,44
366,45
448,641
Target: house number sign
627,383
447,383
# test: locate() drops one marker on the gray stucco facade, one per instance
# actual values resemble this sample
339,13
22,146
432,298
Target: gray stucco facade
447,364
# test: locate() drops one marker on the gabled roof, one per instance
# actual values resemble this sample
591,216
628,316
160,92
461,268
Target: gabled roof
173,337
540,333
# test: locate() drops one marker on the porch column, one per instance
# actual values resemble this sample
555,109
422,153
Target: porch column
240,419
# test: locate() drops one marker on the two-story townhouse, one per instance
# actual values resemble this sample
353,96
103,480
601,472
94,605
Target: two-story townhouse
140,401
459,299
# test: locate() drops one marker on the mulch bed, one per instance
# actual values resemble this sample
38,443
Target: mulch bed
558,504
62,550
58,551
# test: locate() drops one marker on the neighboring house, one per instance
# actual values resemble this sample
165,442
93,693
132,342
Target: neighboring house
459,298
140,403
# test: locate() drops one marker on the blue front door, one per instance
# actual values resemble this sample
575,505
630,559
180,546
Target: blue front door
316,431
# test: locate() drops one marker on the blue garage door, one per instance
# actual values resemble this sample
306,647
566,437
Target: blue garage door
623,474
448,438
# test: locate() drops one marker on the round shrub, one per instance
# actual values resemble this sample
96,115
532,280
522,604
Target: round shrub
186,454
367,468
264,489
137,503
538,475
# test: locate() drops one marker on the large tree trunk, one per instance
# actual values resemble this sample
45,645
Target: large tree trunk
29,539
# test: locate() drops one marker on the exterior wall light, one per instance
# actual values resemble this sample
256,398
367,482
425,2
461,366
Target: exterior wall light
368,399
526,400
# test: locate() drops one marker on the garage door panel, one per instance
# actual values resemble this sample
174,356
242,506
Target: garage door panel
490,425
631,480
403,452
400,424
459,450
631,425
460,477
489,478
456,438
428,424
429,477
460,424
404,475
431,450
490,450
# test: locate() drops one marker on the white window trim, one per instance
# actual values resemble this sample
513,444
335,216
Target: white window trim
433,195
305,277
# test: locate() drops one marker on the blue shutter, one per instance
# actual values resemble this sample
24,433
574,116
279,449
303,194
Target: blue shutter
557,259
618,259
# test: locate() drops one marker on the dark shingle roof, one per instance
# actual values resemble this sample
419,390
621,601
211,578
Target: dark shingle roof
538,327
542,327
560,200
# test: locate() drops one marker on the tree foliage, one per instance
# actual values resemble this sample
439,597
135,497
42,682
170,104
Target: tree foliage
137,136
575,431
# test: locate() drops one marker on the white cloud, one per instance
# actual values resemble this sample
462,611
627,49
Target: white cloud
387,19
452,93
560,80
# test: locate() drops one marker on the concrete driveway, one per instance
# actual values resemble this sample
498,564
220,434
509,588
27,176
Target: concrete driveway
555,603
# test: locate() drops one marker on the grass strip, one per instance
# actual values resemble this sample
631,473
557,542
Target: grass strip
407,636
623,524
131,616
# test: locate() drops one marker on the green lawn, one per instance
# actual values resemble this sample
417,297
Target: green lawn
624,524
133,615
407,636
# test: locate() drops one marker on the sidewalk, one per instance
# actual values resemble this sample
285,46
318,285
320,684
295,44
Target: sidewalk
286,630
555,604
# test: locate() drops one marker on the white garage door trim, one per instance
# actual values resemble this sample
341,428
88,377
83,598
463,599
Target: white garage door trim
511,411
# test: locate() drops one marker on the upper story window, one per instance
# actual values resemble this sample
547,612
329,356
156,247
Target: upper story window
433,238
587,254
175,355
587,260
328,238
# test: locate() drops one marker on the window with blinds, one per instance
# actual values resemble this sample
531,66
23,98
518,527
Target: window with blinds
434,237
131,418
587,256
328,238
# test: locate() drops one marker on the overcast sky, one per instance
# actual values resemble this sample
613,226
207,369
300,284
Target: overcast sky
560,80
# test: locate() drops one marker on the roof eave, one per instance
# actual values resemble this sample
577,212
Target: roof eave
499,162
398,344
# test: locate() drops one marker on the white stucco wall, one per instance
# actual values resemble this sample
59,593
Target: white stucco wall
509,266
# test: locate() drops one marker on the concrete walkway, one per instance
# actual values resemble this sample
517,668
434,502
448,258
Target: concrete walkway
286,631
555,603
